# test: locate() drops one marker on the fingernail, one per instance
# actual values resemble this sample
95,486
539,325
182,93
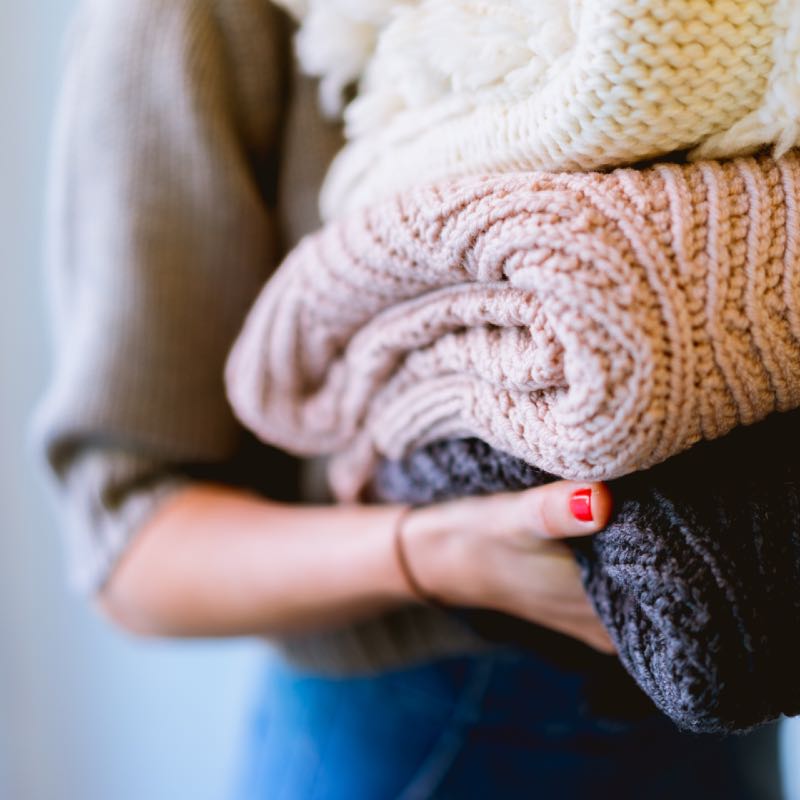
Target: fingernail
580,504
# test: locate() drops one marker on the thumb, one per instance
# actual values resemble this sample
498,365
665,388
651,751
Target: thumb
566,509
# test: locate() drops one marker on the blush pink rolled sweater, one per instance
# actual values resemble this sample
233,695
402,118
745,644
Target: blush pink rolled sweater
590,324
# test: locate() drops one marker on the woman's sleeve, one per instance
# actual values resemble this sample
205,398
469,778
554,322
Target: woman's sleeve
160,233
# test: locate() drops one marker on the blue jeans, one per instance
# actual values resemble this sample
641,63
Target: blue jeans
501,725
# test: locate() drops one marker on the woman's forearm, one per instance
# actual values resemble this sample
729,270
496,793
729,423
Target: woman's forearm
216,561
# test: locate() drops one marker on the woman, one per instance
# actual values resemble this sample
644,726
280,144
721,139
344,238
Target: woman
187,159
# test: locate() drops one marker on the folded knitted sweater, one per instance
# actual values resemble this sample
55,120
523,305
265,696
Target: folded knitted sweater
590,324
455,87
697,577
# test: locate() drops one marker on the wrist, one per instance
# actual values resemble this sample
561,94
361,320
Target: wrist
394,583
435,554
418,591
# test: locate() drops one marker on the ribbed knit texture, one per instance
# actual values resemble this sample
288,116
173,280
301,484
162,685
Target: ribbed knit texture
697,578
450,88
592,325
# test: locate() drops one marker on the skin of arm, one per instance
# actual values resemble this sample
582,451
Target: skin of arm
217,561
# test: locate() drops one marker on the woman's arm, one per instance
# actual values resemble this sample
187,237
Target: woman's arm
215,561
161,230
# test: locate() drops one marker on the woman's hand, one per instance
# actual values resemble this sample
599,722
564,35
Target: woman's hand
503,552
217,561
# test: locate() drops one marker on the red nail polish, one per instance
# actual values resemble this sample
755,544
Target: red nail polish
580,504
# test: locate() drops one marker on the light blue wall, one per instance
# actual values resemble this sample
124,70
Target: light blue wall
84,713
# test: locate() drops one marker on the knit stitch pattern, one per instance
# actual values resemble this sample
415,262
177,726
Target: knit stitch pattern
448,88
697,578
592,324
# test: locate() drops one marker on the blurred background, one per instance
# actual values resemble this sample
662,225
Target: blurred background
86,714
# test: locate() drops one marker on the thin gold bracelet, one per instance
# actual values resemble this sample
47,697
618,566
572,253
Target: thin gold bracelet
417,591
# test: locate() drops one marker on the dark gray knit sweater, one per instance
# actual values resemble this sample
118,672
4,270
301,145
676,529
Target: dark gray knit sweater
697,578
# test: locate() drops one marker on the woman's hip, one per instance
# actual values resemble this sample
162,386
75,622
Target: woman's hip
504,724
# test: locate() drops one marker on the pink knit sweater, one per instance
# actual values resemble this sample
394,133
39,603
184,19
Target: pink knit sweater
590,324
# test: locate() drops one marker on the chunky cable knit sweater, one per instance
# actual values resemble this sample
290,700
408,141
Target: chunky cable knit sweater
455,87
697,578
592,325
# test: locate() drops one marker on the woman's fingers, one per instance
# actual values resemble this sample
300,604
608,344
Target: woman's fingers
594,635
566,509
554,511
505,552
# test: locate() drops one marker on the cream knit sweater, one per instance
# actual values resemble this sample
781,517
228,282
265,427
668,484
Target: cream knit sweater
455,87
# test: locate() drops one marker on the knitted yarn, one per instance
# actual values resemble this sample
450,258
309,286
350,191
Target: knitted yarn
592,325
697,578
449,88
336,40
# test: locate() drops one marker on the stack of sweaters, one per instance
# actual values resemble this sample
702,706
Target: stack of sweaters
563,242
